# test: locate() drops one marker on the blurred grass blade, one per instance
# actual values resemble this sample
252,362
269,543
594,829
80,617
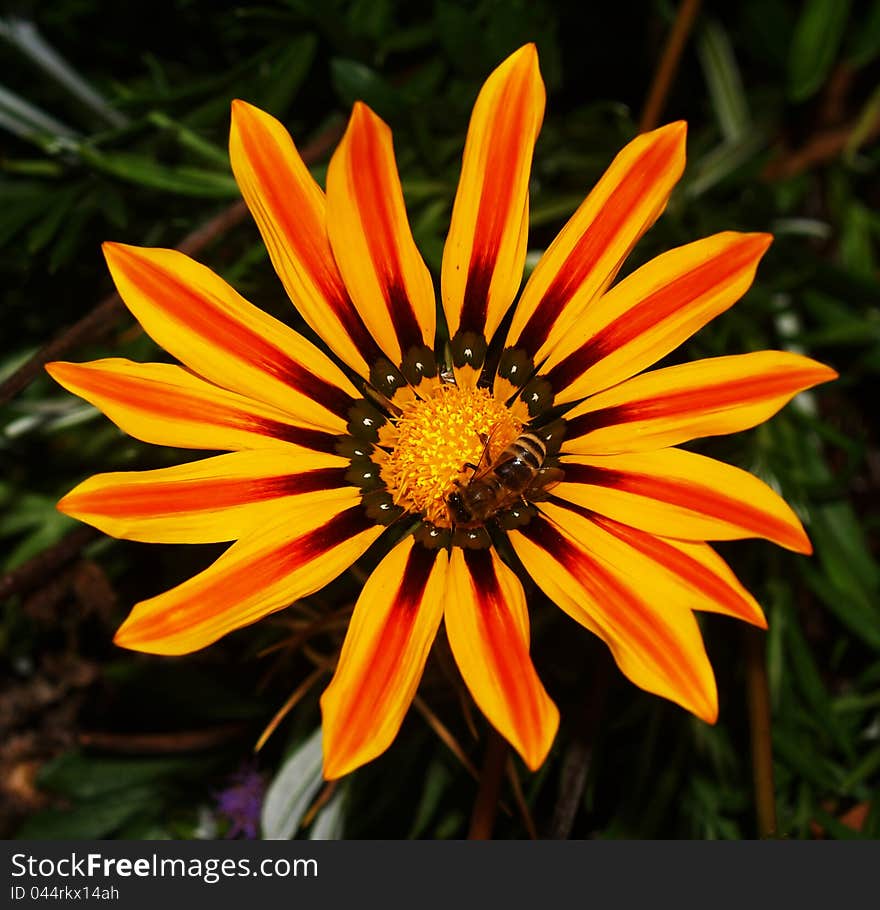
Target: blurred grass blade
869,116
27,121
723,81
814,46
724,160
23,35
189,139
865,46
287,74
329,823
355,81
291,792
188,181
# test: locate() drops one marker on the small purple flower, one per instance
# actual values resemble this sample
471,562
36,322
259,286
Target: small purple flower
242,801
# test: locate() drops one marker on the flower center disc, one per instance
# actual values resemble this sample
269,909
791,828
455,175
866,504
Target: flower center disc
433,439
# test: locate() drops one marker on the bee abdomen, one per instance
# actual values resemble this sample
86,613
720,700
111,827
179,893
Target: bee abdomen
530,449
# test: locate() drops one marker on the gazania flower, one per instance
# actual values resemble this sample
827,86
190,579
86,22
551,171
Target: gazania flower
540,448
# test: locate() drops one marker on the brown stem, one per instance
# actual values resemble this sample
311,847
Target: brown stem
321,800
760,726
444,735
822,148
295,698
103,318
520,799
161,743
489,792
668,65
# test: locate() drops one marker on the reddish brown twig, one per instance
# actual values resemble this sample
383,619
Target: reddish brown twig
821,149
443,734
161,743
520,800
296,697
760,730
321,800
668,65
489,792
96,324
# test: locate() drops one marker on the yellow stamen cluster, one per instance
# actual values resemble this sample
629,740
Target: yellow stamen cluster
430,443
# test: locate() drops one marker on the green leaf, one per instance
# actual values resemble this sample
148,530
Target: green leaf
329,823
815,44
724,81
807,677
46,228
868,766
94,819
186,181
291,792
285,75
83,777
436,783
865,46
856,242
355,81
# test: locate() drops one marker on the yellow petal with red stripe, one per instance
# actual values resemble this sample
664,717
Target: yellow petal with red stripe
389,637
702,398
167,405
583,260
621,596
488,629
704,579
372,242
290,210
292,558
486,246
683,495
651,312
204,323
208,501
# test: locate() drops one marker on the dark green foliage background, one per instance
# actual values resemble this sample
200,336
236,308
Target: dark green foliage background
759,82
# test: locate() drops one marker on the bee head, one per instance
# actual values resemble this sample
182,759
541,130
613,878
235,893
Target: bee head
458,513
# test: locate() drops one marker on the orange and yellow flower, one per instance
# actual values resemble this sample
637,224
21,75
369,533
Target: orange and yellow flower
328,456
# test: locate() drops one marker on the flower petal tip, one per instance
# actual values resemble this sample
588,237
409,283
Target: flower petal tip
534,750
709,714
130,637
704,704
528,51
761,241
535,754
362,113
676,130
66,505
114,252
125,639
57,369
334,768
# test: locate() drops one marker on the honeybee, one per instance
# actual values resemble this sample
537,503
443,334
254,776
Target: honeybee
516,475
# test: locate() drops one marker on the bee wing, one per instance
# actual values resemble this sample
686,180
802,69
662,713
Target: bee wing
543,482
485,464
